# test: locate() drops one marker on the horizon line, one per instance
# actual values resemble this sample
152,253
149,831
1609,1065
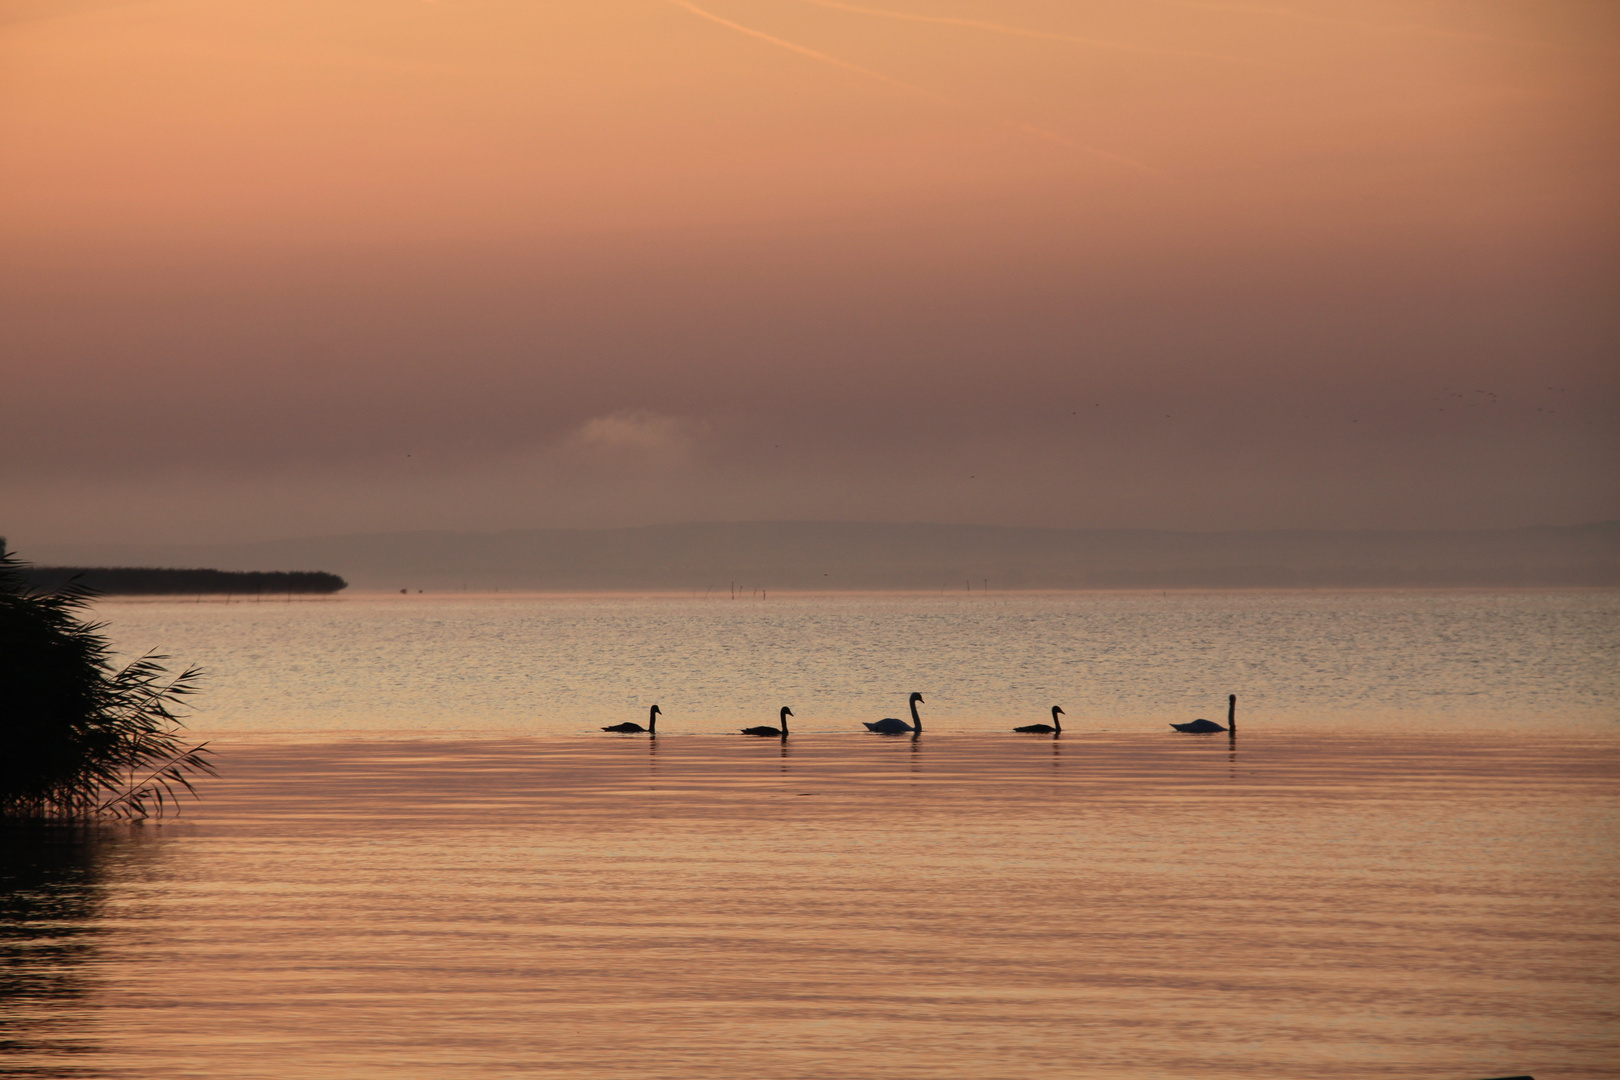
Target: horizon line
712,523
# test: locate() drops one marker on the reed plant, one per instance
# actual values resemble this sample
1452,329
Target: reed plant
79,736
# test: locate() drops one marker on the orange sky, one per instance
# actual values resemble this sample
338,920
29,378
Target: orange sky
281,268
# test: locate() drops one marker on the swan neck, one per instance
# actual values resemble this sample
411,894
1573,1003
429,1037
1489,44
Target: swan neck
916,721
1231,711
652,719
1057,725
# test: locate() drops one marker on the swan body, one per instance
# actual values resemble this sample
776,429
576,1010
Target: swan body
890,726
629,728
1204,727
769,732
1053,728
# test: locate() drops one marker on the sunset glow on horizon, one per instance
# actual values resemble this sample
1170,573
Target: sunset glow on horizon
299,268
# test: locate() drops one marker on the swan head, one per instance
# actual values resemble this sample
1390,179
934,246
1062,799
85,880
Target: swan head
656,711
786,711
1057,709
917,697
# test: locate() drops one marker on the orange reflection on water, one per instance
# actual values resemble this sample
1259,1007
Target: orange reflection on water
839,906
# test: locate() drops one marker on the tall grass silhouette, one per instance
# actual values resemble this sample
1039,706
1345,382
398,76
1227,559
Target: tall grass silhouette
79,737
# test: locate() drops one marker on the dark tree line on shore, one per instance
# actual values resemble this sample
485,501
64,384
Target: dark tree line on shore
145,581
79,736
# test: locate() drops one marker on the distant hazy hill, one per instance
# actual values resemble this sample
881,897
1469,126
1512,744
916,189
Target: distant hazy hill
854,555
152,581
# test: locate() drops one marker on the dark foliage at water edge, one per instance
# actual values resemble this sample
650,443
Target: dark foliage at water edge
79,737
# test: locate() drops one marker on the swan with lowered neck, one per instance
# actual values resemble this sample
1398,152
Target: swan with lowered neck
769,732
1054,728
1203,727
890,726
630,728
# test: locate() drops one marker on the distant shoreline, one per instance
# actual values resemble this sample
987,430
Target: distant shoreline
867,557
449,595
156,581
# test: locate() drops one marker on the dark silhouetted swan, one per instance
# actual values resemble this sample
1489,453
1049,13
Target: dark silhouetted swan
770,732
1204,727
629,728
1044,729
890,726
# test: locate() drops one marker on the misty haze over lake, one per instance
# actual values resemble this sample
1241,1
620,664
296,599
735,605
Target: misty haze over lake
865,555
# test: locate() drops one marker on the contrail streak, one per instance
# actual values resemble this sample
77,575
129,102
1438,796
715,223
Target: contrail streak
1021,31
1419,29
932,95
812,53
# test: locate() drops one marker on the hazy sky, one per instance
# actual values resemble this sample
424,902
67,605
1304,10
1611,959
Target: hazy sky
277,268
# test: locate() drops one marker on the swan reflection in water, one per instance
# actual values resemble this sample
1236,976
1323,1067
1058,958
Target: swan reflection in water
890,726
632,728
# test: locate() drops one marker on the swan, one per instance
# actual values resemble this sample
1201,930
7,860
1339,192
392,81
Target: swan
629,728
1053,728
1204,727
770,732
890,726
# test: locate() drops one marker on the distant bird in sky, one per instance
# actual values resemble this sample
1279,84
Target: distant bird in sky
766,731
1202,726
631,728
890,726
1054,728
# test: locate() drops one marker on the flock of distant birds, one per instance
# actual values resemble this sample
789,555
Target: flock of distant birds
891,726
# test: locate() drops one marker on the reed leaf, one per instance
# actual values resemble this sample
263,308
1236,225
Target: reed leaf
80,737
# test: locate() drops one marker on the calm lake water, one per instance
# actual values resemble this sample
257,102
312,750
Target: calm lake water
421,859
1124,661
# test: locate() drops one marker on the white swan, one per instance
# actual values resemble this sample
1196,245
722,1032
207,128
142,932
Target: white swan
630,728
1054,728
770,732
890,726
1204,727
